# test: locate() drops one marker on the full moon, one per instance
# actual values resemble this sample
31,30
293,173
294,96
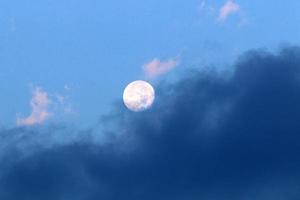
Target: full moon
138,96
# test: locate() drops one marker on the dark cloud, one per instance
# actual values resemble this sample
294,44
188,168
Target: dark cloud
208,136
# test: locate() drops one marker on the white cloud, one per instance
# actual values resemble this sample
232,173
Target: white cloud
157,67
229,8
40,104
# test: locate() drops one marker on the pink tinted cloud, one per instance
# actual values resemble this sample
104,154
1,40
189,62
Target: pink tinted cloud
228,9
157,67
39,103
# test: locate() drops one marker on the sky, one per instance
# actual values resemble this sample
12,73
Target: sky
88,51
224,123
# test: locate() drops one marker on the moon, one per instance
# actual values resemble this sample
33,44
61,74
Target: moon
138,96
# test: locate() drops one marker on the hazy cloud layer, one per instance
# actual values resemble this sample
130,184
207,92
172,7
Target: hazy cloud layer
209,136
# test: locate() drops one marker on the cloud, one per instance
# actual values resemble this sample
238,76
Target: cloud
44,105
39,103
156,67
229,8
208,136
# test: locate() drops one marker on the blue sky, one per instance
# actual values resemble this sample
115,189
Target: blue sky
83,53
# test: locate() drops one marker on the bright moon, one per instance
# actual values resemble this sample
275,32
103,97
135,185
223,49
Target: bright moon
138,96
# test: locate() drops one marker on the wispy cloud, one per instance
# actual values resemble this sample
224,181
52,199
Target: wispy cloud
157,67
229,8
40,104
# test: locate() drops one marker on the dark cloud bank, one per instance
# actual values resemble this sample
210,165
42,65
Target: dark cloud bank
208,137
